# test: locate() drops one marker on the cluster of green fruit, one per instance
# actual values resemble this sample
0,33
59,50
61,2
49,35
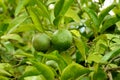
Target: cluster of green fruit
60,40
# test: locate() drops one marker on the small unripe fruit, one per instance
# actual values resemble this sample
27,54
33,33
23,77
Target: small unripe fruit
62,39
41,42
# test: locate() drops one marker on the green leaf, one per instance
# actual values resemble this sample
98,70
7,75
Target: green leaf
39,77
84,78
57,20
61,8
73,71
21,4
56,57
52,63
104,12
58,7
35,19
81,47
9,47
117,76
16,22
49,56
82,2
79,57
40,12
44,69
43,8
73,14
3,28
30,71
62,63
3,78
21,53
99,75
94,57
12,37
7,52
3,72
109,55
5,69
93,17
116,9
108,23
25,27
101,1
67,57
66,6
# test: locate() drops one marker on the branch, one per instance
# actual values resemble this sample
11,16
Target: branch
106,68
113,69
110,76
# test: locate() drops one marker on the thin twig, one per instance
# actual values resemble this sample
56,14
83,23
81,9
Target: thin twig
79,6
113,69
110,76
106,68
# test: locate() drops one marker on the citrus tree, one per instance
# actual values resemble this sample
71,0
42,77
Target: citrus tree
59,40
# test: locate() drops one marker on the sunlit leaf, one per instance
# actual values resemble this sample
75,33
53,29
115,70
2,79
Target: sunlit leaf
4,71
12,37
67,57
44,69
66,5
82,2
25,27
30,71
35,19
76,33
61,8
71,13
20,5
49,56
93,17
40,77
94,57
9,46
3,78
57,57
108,23
84,78
73,71
21,53
116,9
105,12
43,8
52,63
16,22
40,12
81,47
109,55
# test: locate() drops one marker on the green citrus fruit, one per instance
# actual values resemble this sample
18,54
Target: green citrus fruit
62,39
41,42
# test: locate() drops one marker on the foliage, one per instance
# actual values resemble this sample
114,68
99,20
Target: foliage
92,52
